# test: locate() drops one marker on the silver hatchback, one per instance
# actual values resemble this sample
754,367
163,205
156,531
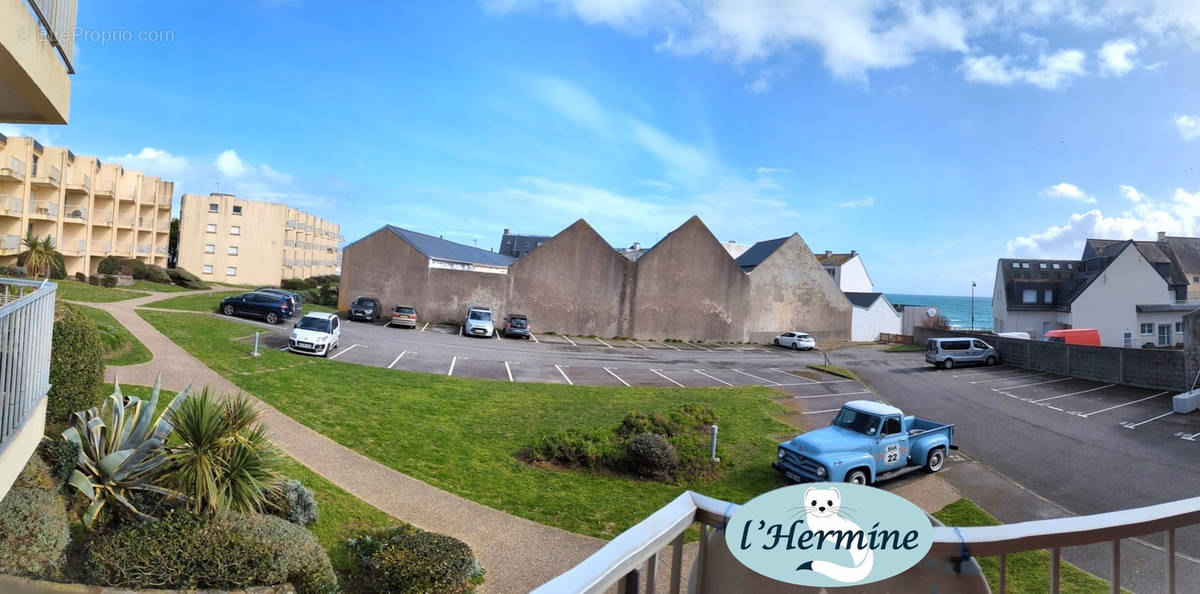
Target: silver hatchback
948,353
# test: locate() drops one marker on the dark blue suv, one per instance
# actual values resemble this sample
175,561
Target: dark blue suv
268,306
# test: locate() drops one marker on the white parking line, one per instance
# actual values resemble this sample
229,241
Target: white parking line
828,395
534,337
1125,404
397,359
1134,425
817,412
425,326
286,348
810,380
612,373
763,379
1015,377
604,343
667,378
564,374
636,345
699,347
495,335
992,371
452,362
712,378
348,349
509,370
1071,394
667,345
1005,389
569,340
722,347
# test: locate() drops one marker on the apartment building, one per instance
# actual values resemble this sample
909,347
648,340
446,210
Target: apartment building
91,209
226,239
35,60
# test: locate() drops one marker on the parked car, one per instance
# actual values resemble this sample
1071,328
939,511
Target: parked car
268,306
517,325
478,322
316,333
1085,336
366,309
867,441
403,315
796,341
297,301
949,352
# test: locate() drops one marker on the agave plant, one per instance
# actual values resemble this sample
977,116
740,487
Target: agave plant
220,457
121,450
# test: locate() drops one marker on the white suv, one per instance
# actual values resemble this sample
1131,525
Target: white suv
479,322
316,333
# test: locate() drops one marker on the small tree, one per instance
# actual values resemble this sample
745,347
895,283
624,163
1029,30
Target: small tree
40,257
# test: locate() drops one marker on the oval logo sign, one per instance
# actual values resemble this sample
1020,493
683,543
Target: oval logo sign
829,534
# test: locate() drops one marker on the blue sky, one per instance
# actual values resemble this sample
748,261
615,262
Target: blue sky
931,137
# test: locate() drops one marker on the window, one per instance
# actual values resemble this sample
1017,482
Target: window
208,269
1164,335
1057,266
1016,264
1127,340
210,248
1042,265
891,426
230,271
1196,279
213,207
1024,264
237,210
1179,327
1029,296
1049,296
235,230
1070,266
1147,329
211,228
979,344
233,250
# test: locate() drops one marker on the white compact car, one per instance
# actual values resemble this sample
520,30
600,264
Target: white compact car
316,333
796,341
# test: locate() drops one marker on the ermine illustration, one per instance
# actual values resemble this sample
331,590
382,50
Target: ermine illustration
823,510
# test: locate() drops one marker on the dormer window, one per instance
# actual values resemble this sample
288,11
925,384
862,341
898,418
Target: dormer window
1042,265
1057,266
1025,265
1070,266
1016,264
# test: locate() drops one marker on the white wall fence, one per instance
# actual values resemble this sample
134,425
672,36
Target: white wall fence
26,329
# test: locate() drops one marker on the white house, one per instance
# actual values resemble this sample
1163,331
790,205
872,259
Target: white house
847,271
871,316
1133,292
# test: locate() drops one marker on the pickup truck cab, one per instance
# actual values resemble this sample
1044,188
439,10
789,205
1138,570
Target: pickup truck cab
866,442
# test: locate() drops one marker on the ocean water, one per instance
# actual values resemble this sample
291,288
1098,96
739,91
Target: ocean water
956,309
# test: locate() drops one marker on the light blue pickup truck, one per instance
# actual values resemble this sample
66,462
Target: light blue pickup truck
867,441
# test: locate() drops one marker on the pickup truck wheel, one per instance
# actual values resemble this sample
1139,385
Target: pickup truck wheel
272,318
991,361
227,310
857,477
935,461
948,364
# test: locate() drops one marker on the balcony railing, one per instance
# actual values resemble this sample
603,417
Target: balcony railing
127,193
101,247
47,175
78,214
11,205
26,328
105,187
143,248
12,168
10,244
164,227
630,560
79,182
45,208
57,18
73,247
160,249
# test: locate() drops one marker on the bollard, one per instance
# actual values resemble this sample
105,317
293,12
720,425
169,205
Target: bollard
712,447
255,344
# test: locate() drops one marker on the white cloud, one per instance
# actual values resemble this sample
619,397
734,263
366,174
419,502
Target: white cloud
1068,191
1178,216
230,164
867,202
154,162
1131,193
1053,71
771,170
1116,57
1189,126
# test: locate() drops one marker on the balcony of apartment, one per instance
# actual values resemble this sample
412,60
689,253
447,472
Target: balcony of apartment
127,193
123,243
79,184
106,188
101,218
37,46
143,249
126,218
11,206
101,247
46,176
10,243
12,169
163,194
74,245
26,326
75,212
44,209
160,250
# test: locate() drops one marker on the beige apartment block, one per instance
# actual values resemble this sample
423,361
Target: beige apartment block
90,209
225,239
36,49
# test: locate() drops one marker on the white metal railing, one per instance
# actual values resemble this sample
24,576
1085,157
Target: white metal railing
26,328
13,167
75,213
10,242
80,181
57,18
48,173
143,248
45,208
10,204
632,557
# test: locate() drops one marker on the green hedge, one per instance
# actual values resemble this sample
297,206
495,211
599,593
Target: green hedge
408,560
34,531
76,364
184,278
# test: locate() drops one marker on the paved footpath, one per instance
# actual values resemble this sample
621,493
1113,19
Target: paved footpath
518,554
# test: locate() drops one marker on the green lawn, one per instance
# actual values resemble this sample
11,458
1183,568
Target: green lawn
204,302
904,348
76,291
1028,571
463,435
145,285
120,346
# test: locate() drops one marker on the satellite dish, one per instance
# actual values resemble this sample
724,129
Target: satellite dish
931,312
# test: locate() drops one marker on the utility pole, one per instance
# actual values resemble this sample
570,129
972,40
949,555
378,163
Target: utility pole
972,306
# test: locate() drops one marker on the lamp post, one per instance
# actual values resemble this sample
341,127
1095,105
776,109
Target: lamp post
972,306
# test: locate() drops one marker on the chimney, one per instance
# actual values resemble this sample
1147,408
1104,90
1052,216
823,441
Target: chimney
506,230
1162,235
828,253
636,246
853,252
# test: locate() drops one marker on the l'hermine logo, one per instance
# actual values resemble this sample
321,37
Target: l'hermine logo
826,534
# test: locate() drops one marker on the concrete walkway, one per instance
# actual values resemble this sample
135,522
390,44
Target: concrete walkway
517,554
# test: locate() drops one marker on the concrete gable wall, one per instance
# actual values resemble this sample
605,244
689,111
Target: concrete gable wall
574,283
688,287
790,290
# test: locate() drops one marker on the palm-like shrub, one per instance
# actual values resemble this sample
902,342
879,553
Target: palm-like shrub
220,457
121,451
39,257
